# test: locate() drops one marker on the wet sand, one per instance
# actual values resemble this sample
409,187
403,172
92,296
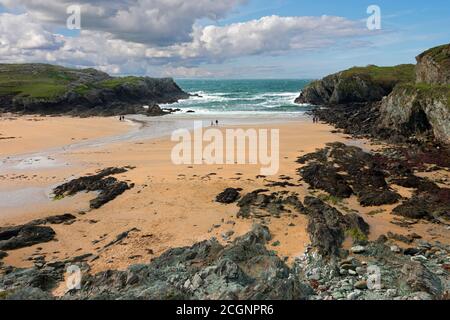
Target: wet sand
171,205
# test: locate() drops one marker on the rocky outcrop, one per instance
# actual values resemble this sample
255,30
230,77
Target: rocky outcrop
24,235
108,187
422,107
433,66
328,228
418,110
405,103
56,90
366,84
229,195
343,170
257,204
242,270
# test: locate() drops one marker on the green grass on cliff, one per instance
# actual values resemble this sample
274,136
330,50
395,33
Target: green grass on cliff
38,81
114,82
427,91
440,54
384,75
44,81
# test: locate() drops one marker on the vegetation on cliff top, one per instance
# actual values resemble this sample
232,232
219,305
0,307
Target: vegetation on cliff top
34,80
440,54
383,75
426,91
44,81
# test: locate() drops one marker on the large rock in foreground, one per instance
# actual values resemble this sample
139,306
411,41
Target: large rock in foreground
243,270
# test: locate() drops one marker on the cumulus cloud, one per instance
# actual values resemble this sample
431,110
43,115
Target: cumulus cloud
269,35
19,37
156,22
159,37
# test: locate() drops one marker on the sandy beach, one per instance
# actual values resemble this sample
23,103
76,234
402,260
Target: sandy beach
169,206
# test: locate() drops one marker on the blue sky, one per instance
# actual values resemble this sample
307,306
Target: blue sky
221,38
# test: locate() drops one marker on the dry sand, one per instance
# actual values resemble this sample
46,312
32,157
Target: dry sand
170,205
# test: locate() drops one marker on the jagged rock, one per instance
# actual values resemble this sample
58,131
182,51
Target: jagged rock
24,236
257,204
419,278
326,177
327,227
244,269
109,187
3,255
433,65
415,110
343,170
430,205
358,84
230,195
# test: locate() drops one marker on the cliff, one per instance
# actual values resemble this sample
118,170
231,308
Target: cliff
410,103
433,66
50,89
358,84
416,108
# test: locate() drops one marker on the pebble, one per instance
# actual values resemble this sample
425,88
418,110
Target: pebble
419,258
358,249
395,249
337,295
391,293
197,281
343,272
352,272
361,285
354,295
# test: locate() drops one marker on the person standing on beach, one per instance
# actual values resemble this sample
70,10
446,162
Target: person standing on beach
217,122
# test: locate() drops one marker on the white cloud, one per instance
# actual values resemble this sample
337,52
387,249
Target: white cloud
269,35
156,22
187,72
160,37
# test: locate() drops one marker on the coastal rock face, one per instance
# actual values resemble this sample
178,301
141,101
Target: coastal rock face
365,84
48,89
433,66
336,89
424,106
415,109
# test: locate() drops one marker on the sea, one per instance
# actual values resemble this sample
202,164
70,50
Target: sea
243,97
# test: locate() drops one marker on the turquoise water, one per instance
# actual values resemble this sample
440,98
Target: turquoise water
242,96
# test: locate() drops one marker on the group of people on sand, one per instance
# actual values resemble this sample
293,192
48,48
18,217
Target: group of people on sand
315,119
121,118
215,123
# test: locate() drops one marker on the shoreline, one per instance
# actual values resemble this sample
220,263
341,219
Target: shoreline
173,204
